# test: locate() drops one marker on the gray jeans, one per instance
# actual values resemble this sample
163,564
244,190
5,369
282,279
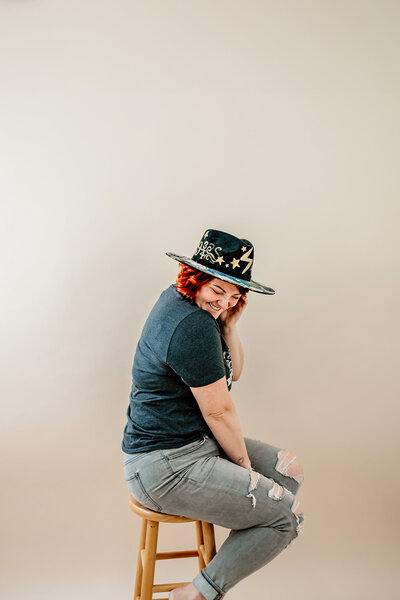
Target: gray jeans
199,481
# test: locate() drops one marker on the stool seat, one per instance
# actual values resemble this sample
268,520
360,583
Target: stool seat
147,513
148,555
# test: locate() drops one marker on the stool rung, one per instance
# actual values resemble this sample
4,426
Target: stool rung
176,554
167,587
169,555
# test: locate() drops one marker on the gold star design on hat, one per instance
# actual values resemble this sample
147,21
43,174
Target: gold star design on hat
235,263
220,260
243,248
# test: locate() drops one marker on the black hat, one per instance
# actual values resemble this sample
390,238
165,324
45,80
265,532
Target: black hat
226,257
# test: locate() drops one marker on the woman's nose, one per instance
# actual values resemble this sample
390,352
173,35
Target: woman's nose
224,303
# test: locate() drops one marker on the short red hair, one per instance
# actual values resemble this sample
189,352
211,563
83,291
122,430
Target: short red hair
190,280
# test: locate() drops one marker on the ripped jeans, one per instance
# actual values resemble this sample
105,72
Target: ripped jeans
199,481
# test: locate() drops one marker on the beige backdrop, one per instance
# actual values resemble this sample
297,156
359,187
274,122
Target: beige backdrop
127,129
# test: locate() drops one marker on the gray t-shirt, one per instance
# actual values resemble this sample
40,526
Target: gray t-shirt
181,346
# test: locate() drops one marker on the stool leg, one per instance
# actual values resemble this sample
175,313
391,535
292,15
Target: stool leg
139,568
200,542
209,540
149,560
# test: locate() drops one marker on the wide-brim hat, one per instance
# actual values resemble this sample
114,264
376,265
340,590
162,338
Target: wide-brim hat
226,257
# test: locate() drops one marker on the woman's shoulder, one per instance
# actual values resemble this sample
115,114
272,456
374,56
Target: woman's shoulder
196,326
172,311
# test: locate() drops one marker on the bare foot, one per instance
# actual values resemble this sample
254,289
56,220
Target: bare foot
186,592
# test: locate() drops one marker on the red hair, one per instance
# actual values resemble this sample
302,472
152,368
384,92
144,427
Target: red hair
190,280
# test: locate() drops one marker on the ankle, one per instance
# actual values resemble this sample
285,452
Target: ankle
186,592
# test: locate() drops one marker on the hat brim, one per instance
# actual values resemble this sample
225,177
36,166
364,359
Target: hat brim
251,285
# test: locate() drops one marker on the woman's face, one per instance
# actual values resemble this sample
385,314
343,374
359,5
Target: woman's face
217,296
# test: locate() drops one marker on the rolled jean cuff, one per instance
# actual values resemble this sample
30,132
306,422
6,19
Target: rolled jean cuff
207,587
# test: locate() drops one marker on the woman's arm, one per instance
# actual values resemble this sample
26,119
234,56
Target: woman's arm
231,337
220,414
228,320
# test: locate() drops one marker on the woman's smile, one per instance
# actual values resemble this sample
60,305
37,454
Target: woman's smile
214,307
226,294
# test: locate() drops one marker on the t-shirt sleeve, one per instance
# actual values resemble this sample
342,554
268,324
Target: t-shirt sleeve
195,350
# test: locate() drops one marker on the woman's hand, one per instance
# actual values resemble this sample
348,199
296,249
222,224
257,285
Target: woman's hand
230,317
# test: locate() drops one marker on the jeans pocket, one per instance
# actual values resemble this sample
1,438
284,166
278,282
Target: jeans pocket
193,461
138,491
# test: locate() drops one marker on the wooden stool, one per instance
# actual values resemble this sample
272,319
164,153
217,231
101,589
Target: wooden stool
147,556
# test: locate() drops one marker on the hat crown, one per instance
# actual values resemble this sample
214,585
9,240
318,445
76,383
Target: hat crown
225,253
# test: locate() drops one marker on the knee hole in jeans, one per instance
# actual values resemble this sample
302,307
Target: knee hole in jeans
288,464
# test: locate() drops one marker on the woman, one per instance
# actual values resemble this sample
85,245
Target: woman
184,450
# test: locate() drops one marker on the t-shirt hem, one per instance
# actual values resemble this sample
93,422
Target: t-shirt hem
158,445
